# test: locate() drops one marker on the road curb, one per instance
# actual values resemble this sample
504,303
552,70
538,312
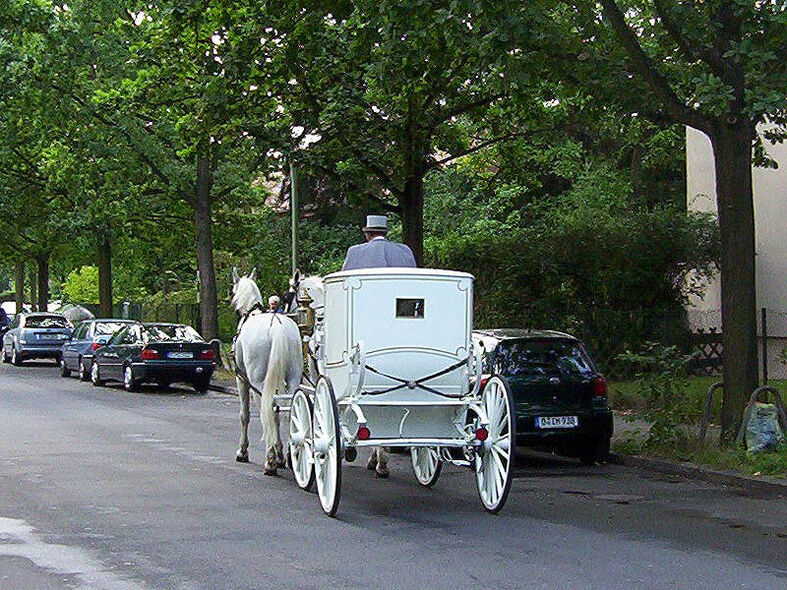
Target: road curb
764,484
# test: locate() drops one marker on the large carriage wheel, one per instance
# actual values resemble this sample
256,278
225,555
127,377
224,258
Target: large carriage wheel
494,461
327,445
301,456
426,464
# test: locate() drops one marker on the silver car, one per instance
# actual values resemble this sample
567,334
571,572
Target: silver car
34,336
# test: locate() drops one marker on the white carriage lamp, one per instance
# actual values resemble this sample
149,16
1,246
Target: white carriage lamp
305,313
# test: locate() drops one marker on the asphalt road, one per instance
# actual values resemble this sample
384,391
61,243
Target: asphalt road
100,488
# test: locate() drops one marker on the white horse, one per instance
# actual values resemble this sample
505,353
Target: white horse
314,288
268,358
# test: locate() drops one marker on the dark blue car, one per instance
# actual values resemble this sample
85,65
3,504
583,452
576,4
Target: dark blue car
89,335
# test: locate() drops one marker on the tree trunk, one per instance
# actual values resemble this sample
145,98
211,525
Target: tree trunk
104,276
43,282
204,241
733,164
413,215
31,279
19,285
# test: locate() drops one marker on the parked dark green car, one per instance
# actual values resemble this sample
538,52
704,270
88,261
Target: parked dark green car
560,397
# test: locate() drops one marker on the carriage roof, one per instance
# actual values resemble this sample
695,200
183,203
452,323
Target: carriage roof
398,272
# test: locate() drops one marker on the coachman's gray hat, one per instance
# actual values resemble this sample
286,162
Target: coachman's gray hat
376,223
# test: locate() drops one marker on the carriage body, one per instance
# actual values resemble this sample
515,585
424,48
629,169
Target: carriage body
407,324
394,366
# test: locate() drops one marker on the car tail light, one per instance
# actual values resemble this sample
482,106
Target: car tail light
97,345
207,355
481,433
148,354
599,387
363,433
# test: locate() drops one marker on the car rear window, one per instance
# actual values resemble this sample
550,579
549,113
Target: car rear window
106,328
46,321
173,333
538,357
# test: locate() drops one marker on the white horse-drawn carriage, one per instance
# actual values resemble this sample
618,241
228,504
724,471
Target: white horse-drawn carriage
392,365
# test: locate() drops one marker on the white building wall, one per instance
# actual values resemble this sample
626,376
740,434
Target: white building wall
770,215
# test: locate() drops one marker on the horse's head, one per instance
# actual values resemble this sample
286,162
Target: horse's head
245,292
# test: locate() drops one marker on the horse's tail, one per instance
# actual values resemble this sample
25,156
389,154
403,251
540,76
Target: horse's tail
277,361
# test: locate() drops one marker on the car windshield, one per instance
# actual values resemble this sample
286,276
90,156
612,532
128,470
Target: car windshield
107,328
538,357
46,321
172,333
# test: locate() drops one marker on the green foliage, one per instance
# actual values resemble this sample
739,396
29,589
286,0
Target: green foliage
593,246
663,383
81,285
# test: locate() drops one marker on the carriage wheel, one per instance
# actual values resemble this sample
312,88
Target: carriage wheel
301,456
426,464
327,444
494,461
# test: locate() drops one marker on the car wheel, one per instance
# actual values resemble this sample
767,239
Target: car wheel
95,375
201,385
597,451
64,372
16,360
129,383
84,374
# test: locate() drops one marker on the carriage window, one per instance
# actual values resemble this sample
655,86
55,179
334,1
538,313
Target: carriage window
410,308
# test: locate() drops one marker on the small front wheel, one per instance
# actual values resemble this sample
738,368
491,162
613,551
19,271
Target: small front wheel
327,445
426,465
494,458
301,440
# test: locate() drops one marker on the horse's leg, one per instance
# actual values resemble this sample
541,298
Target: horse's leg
242,455
382,462
371,464
270,432
279,448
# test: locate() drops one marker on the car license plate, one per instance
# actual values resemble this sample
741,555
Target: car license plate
557,422
179,355
50,336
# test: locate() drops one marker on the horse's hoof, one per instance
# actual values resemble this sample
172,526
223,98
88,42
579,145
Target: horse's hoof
242,458
382,473
269,471
281,465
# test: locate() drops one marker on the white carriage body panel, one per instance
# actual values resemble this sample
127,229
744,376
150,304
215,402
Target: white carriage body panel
413,323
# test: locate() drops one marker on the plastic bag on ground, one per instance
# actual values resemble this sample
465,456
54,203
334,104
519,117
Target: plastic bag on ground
761,427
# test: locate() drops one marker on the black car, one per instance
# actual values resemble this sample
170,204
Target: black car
560,397
157,353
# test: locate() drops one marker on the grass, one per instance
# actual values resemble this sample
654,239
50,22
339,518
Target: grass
625,398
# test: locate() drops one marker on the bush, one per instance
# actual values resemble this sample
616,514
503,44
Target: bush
662,372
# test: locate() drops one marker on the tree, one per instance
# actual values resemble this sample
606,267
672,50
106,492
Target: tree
717,66
379,93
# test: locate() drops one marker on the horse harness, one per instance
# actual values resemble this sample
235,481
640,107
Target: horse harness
239,373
